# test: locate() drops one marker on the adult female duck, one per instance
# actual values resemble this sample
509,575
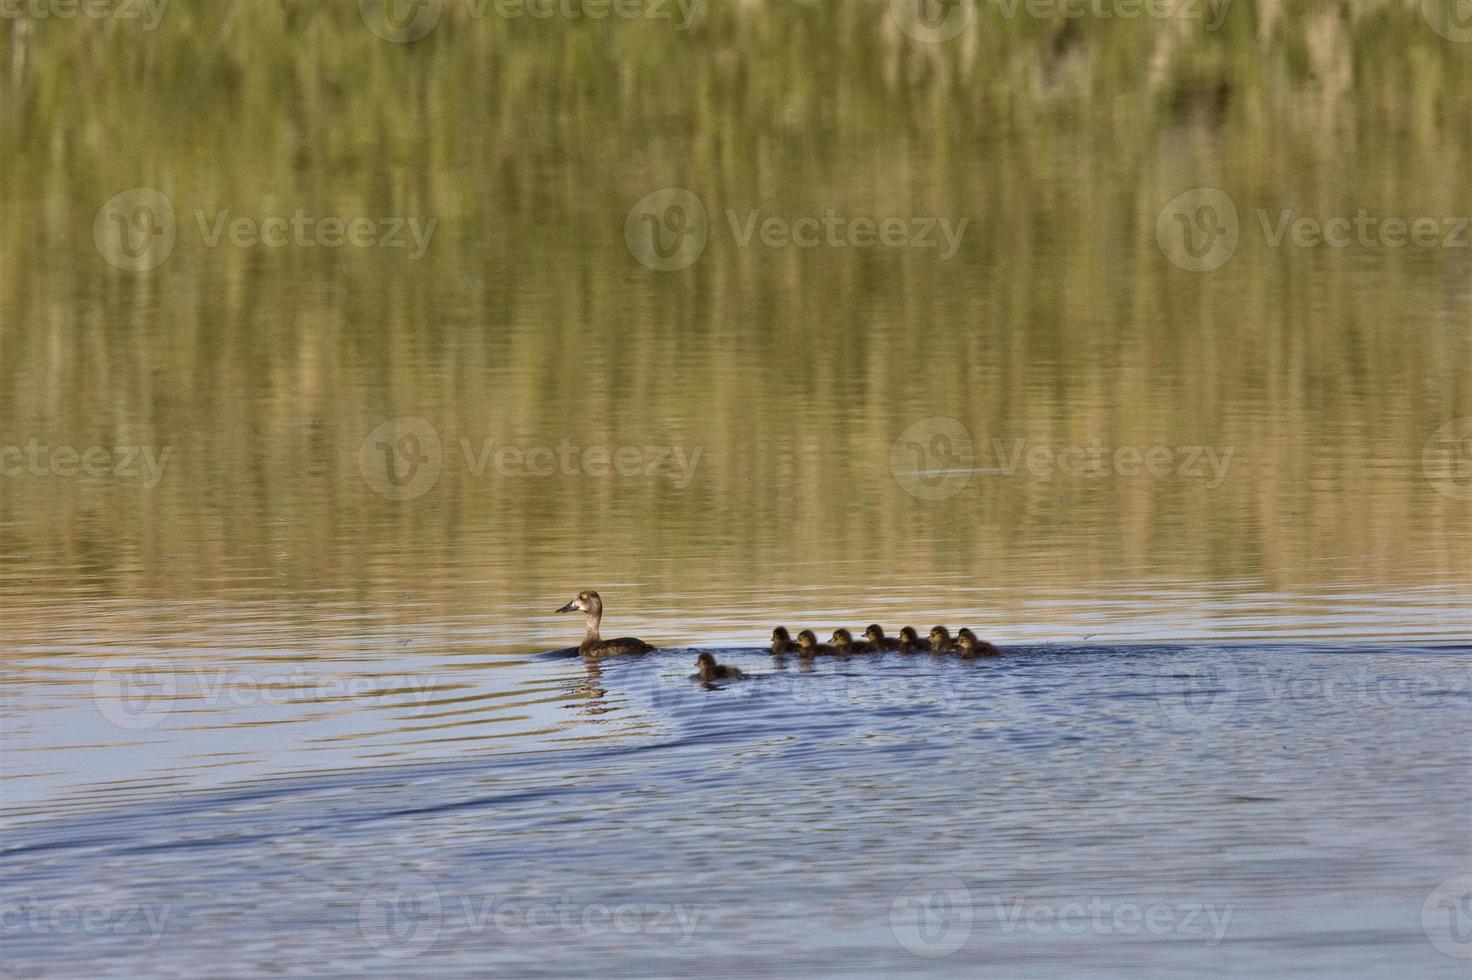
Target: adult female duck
594,645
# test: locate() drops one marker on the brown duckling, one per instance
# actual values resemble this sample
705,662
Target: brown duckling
972,648
782,641
844,642
712,671
875,635
591,603
940,640
808,641
910,641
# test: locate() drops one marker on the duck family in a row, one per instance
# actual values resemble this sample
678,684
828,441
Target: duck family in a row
842,642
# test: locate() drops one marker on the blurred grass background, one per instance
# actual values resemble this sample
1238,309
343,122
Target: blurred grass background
1059,321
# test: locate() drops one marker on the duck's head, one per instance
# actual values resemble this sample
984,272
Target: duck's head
586,601
939,634
874,633
705,661
780,635
807,638
908,635
841,638
965,634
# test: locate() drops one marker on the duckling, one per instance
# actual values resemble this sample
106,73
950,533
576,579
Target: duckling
782,641
875,635
844,641
591,603
972,648
712,671
940,640
808,641
910,641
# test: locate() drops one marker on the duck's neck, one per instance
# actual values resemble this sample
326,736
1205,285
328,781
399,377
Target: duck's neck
593,618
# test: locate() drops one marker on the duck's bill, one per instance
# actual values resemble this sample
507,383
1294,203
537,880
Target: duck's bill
570,607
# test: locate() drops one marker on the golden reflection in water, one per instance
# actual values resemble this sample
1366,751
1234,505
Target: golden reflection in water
787,378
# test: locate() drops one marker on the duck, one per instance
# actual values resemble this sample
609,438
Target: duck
875,635
844,642
808,641
782,641
940,640
972,648
591,603
910,641
712,671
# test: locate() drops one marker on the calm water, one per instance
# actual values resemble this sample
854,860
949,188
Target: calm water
283,516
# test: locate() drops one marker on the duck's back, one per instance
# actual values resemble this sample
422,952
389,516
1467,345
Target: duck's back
624,644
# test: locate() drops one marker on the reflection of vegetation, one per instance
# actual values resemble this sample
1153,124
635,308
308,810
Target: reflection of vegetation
1059,321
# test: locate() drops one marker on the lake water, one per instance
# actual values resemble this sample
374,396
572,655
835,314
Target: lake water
284,513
